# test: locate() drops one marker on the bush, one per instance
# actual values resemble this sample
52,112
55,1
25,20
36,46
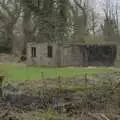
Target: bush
23,58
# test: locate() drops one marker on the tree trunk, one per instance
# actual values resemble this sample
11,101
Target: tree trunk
28,36
10,37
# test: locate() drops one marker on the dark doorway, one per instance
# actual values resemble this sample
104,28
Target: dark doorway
100,55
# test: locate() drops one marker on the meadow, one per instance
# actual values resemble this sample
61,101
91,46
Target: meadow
16,72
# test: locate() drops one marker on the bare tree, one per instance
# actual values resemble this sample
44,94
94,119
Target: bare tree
110,27
52,18
80,13
9,14
93,23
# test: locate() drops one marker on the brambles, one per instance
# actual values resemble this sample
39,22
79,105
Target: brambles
61,99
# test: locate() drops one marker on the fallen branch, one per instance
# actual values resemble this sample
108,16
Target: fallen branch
104,117
95,116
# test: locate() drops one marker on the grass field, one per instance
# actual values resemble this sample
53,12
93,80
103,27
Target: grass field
21,72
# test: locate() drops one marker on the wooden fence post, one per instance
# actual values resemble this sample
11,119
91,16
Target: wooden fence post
86,80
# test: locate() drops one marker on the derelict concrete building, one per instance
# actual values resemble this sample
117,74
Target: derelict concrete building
71,54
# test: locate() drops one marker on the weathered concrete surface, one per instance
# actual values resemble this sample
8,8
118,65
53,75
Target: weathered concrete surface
41,54
72,55
63,55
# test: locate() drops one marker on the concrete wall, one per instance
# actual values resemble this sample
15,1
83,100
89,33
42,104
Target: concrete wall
117,62
63,55
72,55
41,54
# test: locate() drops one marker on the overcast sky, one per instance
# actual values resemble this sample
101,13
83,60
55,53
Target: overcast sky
100,4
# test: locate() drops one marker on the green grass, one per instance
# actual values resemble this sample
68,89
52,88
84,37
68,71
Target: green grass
21,72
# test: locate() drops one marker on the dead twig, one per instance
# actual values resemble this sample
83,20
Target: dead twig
104,117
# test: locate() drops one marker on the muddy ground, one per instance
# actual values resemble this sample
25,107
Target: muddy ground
94,98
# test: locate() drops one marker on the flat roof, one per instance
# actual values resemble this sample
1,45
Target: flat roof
77,43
